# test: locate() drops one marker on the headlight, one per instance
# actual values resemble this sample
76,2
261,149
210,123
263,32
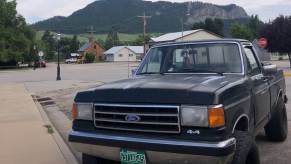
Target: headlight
82,111
194,116
203,116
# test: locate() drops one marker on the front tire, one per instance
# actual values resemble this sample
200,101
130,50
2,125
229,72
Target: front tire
246,149
277,128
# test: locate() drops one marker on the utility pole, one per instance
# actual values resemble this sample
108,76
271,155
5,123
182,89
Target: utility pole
58,67
182,26
91,31
182,18
144,18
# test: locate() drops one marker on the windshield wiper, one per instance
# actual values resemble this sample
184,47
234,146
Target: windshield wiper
202,71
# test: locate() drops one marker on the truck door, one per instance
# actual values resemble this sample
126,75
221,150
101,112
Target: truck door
260,89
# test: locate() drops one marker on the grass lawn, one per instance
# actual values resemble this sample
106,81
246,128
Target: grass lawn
84,37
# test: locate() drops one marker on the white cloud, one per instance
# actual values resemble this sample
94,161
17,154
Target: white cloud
35,10
243,3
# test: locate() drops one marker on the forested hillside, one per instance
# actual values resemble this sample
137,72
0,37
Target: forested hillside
104,15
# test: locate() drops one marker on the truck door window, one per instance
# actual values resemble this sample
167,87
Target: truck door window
154,62
252,63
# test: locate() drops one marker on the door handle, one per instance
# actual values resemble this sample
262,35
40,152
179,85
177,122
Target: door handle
267,78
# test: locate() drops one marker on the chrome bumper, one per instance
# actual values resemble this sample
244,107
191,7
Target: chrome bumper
157,150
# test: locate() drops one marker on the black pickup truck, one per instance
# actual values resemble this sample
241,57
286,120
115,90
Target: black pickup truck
189,102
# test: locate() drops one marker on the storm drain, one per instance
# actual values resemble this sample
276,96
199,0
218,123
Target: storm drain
44,101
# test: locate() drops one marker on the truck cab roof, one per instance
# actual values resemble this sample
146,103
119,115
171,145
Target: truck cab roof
203,41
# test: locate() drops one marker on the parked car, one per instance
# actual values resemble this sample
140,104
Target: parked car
40,63
71,60
189,102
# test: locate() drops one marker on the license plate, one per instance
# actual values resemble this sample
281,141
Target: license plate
132,157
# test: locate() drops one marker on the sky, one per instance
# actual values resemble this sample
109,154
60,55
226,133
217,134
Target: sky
36,10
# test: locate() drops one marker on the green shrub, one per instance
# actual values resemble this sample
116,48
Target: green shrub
89,58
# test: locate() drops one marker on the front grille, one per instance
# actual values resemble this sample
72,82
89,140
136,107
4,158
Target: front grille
149,118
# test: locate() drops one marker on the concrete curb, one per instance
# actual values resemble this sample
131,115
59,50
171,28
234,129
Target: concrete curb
64,148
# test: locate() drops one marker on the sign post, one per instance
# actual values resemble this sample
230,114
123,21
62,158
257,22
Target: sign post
263,43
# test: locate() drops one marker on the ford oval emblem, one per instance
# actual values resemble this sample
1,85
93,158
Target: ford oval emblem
132,118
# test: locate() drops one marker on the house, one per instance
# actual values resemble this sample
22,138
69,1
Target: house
92,47
192,35
124,53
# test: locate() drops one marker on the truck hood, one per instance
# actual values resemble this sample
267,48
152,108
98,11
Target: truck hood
162,89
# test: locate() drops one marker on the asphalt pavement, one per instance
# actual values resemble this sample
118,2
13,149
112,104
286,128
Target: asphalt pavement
104,72
75,77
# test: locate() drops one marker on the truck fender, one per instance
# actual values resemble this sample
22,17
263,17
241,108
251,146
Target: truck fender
241,123
280,94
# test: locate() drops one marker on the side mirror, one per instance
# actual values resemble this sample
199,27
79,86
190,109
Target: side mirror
269,68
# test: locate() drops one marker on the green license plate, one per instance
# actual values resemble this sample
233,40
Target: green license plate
132,157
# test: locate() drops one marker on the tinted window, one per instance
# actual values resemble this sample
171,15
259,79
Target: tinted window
253,66
153,62
196,58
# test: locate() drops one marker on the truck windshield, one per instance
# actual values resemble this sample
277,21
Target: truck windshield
193,58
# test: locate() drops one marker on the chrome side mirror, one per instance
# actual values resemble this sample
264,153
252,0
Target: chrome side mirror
269,68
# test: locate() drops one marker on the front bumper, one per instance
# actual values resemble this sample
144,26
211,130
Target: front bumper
157,150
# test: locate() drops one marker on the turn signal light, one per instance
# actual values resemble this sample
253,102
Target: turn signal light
216,117
74,112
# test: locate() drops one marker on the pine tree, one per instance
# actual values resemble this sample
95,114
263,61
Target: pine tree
213,25
112,39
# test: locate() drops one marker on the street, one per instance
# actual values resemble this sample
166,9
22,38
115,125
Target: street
90,72
41,82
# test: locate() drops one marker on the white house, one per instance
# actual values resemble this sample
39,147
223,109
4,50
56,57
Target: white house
192,35
124,53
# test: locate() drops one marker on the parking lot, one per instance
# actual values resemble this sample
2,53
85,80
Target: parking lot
76,77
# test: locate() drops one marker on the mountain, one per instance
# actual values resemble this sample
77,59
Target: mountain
104,15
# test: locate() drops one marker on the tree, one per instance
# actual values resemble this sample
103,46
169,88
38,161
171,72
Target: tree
241,31
101,42
249,30
255,25
89,58
278,34
112,39
16,37
139,41
50,45
213,25
75,44
65,47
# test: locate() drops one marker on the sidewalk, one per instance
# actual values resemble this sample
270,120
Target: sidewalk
23,137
